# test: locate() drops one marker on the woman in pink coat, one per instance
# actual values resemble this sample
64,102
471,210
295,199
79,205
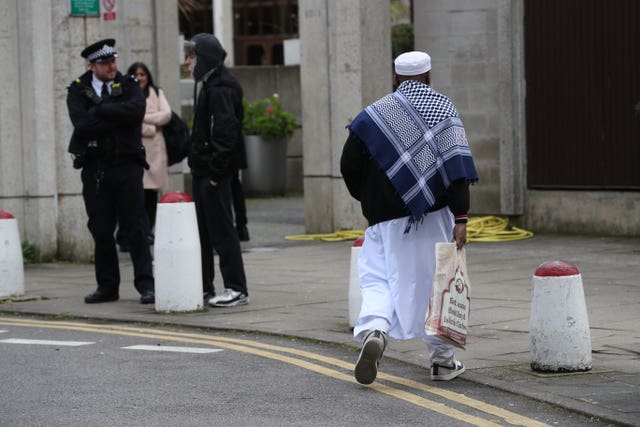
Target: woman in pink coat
157,114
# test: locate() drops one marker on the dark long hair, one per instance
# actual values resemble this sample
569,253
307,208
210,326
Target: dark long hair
132,70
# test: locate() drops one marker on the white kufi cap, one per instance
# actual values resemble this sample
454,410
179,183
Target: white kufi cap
412,63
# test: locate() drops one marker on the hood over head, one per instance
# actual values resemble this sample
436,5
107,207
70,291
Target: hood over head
209,53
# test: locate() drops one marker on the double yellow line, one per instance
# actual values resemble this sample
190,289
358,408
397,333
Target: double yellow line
280,354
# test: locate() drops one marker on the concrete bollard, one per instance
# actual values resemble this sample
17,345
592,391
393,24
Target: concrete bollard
560,335
177,268
355,296
11,262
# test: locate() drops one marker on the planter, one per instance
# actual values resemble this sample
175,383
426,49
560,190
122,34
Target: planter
266,174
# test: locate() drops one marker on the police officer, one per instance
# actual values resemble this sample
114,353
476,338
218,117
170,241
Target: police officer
106,109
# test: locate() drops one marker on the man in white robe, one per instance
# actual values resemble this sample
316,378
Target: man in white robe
408,162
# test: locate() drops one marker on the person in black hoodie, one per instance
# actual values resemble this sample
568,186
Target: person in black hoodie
215,137
106,109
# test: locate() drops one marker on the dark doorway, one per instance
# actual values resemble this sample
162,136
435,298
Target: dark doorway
582,62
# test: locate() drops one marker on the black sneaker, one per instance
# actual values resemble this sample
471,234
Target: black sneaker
367,365
147,297
100,296
446,373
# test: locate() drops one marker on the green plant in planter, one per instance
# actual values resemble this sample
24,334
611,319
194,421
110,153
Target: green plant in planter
266,119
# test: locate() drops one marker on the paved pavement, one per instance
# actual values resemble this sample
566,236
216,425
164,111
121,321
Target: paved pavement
301,289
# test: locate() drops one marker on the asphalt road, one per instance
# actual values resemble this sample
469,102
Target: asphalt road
63,372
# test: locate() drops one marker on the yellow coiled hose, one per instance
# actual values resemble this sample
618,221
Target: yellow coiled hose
493,229
479,229
329,237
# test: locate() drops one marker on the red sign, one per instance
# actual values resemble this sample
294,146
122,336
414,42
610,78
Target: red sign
109,7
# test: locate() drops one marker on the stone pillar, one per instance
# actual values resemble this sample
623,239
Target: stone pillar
513,138
31,161
223,27
11,181
166,55
167,64
71,36
477,52
344,66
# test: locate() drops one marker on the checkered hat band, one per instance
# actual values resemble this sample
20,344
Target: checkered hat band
106,50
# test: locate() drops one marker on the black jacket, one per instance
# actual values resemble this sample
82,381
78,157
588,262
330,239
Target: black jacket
107,131
217,147
369,184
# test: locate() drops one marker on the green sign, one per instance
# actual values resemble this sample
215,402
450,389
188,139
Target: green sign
85,7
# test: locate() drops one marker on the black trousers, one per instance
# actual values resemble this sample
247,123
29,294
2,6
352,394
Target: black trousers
239,204
112,195
151,206
216,230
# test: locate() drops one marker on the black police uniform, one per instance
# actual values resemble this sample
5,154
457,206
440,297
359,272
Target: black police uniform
107,145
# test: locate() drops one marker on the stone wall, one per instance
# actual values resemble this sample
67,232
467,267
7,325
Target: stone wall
476,55
606,213
27,145
345,63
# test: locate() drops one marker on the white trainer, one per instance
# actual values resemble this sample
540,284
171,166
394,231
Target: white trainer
229,298
446,373
373,346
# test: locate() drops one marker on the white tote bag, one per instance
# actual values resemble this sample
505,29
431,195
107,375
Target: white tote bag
448,312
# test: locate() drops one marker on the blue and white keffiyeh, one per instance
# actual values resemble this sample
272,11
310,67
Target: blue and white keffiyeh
417,138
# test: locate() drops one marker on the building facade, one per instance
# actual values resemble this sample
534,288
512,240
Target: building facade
548,108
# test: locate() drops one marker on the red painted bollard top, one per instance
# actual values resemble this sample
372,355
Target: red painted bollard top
5,215
359,242
556,269
176,197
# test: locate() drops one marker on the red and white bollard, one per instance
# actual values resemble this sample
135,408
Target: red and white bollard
11,262
355,296
177,267
560,335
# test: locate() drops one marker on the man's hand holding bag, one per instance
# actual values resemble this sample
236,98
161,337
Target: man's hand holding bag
448,313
